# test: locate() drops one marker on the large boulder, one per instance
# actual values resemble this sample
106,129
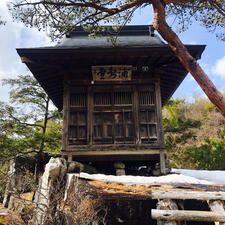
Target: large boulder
50,191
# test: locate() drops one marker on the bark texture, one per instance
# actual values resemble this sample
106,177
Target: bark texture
185,57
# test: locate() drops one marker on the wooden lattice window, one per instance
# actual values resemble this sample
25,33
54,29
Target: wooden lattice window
78,119
147,115
78,100
102,98
123,98
124,127
113,117
117,115
147,97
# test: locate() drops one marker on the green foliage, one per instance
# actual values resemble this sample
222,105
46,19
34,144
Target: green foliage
209,155
210,14
174,116
171,140
28,124
194,134
28,129
170,115
59,17
25,90
3,179
175,119
29,179
53,136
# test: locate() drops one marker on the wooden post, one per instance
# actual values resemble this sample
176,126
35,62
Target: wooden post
136,116
160,127
162,161
217,206
165,205
70,158
90,116
159,114
66,104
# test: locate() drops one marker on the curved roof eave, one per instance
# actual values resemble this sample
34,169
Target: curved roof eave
42,60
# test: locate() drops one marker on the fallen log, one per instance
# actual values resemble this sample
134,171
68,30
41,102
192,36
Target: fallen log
185,215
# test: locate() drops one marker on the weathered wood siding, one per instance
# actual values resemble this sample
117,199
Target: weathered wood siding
116,116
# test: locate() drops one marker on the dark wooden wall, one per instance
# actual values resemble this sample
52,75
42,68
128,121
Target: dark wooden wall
116,116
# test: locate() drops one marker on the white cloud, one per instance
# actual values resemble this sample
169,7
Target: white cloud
9,38
15,35
219,68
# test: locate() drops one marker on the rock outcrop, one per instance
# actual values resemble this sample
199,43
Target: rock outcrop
50,191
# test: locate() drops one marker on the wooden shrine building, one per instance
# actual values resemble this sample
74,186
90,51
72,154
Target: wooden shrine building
111,93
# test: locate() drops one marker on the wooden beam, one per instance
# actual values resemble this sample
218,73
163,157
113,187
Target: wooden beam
183,194
110,151
182,215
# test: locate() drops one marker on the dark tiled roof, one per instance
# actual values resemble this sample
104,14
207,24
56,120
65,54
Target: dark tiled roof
78,51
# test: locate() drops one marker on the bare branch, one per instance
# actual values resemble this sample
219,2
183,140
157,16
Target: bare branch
91,4
217,7
24,123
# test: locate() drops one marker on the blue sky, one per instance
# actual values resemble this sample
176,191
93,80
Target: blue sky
15,35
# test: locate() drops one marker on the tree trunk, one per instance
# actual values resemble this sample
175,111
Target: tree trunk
42,144
184,56
45,125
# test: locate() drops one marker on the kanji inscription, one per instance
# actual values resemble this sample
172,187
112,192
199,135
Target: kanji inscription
111,72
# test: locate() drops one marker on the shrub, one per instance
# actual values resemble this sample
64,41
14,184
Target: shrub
209,155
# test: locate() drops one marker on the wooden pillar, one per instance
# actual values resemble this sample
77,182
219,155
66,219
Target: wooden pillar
66,111
70,158
159,113
160,127
90,116
136,116
162,161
